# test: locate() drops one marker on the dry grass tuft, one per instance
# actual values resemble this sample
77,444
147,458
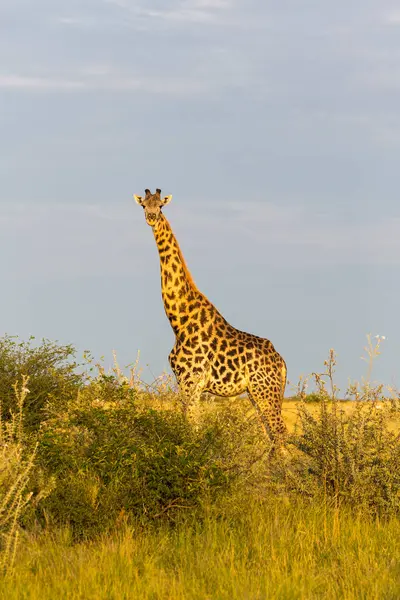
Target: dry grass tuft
15,469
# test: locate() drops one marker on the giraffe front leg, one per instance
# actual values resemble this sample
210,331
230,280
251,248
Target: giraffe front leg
181,375
191,387
190,398
192,377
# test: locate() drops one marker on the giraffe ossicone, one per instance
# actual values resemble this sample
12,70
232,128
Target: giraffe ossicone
209,354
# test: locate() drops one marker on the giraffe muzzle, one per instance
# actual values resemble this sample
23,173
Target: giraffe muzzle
151,218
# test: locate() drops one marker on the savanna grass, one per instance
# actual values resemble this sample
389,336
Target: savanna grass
244,549
351,456
133,498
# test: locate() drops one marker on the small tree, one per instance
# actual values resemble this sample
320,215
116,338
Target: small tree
51,369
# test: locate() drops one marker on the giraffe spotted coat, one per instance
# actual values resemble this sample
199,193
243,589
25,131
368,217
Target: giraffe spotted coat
209,354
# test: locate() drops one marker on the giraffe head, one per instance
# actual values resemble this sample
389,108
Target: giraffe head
152,204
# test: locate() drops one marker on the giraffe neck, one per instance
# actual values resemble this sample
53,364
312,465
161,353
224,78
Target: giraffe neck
177,286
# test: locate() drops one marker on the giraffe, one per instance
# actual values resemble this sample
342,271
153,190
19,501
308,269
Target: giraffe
209,354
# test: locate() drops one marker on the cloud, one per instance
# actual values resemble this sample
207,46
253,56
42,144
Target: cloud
99,78
311,238
73,240
69,240
392,17
69,21
46,84
257,232
382,78
185,11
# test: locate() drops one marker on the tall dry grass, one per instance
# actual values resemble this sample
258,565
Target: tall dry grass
245,548
16,464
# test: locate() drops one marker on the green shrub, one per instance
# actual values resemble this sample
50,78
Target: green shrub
353,458
349,457
312,397
115,458
109,451
51,369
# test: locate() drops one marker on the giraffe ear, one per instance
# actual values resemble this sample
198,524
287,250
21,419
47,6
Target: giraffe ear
166,200
138,199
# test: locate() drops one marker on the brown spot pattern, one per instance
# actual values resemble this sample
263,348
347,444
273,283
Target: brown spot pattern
209,350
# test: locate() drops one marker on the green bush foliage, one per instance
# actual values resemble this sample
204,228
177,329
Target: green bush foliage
52,372
116,458
353,458
111,452
313,397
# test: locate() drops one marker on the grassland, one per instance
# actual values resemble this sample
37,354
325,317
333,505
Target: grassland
108,491
266,549
290,412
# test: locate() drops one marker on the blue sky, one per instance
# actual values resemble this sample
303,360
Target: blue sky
274,125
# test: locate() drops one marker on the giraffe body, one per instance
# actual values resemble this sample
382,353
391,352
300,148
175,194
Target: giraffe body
209,354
